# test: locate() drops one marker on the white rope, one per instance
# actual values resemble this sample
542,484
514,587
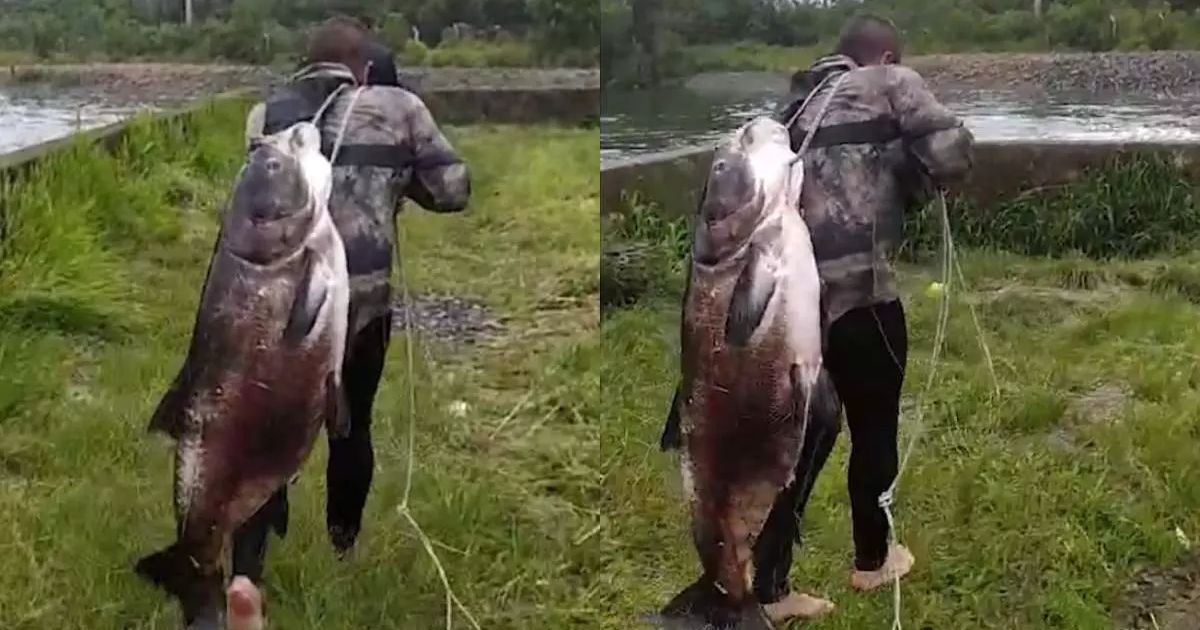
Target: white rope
403,509
337,144
950,265
816,123
452,600
888,498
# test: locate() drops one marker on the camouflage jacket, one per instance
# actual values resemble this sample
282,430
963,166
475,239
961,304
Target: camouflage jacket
366,198
884,143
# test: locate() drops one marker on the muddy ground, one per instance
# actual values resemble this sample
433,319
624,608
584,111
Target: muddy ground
160,83
1163,600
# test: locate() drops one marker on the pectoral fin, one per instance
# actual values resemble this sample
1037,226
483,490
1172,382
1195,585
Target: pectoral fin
751,295
168,415
672,436
311,295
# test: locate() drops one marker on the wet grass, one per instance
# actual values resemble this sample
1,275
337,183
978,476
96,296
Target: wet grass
1030,509
1033,507
1134,207
101,262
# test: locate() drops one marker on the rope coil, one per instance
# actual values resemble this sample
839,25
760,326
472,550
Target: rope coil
950,268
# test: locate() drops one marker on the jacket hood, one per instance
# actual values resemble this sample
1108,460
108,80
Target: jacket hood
830,65
324,70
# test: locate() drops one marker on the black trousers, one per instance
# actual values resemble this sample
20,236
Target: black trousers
351,463
866,357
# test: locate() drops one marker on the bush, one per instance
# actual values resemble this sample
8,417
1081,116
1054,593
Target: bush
414,53
1087,26
470,53
1135,208
395,31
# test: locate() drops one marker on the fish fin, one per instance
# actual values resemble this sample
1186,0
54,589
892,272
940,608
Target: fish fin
751,295
201,596
672,436
168,415
279,520
337,412
702,607
306,307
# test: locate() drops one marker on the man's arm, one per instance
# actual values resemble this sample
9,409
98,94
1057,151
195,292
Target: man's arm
440,180
932,133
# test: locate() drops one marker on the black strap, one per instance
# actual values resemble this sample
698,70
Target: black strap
387,156
880,130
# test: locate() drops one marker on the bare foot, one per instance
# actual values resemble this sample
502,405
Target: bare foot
798,606
899,562
243,602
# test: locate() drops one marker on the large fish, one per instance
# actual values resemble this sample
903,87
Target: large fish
263,370
751,366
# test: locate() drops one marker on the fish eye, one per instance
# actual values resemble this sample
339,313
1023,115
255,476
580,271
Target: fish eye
719,167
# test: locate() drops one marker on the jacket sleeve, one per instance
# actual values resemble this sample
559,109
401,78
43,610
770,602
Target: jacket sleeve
441,181
935,137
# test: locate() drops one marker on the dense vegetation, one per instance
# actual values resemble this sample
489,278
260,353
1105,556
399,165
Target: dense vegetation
450,32
645,41
102,256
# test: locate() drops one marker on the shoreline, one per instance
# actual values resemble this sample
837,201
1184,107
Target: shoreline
1163,74
170,83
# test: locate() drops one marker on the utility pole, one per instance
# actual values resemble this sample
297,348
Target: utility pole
187,12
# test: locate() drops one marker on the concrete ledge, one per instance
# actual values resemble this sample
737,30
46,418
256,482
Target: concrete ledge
464,106
565,106
110,136
1002,171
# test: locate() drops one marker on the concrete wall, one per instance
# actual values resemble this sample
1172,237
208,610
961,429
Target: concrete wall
566,106
1002,171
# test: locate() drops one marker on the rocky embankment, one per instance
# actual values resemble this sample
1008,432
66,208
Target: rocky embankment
1168,73
140,83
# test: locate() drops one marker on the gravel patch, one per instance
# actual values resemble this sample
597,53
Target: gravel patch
450,320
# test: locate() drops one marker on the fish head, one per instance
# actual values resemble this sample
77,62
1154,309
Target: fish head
281,192
754,174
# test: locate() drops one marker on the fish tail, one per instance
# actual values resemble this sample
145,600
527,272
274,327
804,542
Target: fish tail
702,607
201,596
170,569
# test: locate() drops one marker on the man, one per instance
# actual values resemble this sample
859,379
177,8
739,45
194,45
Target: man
383,67
883,144
391,149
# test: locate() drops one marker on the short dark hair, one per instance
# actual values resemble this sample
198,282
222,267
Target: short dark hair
340,39
866,37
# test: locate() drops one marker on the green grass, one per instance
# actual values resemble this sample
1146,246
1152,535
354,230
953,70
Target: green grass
1031,509
101,262
1133,207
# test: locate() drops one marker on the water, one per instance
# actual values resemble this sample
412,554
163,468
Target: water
646,122
27,119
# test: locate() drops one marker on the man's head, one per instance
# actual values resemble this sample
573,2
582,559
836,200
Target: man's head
870,40
342,40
